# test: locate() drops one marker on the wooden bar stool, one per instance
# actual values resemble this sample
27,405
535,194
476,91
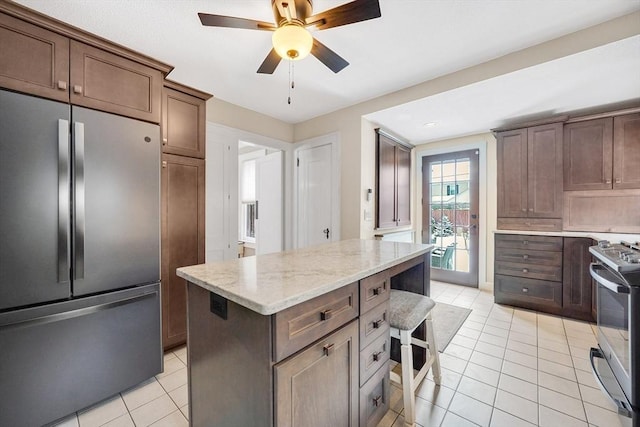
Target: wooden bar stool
408,311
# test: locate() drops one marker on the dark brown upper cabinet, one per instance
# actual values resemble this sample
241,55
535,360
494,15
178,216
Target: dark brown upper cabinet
45,57
602,154
626,151
183,120
33,60
530,177
393,182
108,82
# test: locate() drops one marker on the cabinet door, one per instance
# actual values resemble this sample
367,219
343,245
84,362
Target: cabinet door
107,82
183,124
544,171
626,151
403,179
182,238
386,183
587,156
318,387
576,280
33,60
512,173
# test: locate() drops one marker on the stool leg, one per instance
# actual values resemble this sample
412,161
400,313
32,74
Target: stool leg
433,350
407,379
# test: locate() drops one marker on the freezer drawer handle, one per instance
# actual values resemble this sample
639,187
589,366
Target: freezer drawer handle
63,200
78,197
622,409
56,317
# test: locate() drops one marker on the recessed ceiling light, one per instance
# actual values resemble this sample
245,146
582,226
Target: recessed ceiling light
429,124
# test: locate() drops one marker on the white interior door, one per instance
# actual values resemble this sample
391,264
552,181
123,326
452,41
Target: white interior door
269,212
314,196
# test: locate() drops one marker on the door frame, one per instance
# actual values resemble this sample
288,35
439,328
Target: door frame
332,139
483,231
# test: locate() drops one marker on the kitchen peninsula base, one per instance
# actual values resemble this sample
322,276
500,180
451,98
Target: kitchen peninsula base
322,361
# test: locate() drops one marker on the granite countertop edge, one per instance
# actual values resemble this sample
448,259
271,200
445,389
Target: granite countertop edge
302,296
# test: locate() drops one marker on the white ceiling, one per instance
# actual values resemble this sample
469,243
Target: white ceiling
413,41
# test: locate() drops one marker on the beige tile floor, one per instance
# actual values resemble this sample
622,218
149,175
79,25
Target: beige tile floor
505,367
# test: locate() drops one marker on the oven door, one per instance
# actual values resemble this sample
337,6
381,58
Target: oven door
613,301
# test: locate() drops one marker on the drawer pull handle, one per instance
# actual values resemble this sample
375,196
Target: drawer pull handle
62,85
525,270
376,356
525,256
377,291
77,89
525,290
525,242
376,324
328,349
377,401
326,315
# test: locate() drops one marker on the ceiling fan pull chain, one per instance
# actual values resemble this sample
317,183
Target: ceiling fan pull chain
290,82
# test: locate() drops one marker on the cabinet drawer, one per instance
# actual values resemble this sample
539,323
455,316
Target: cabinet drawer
374,324
527,256
531,271
528,293
374,290
374,398
527,224
374,356
300,325
536,243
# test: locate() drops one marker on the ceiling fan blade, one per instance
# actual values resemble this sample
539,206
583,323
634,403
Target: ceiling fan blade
270,63
209,20
349,13
328,57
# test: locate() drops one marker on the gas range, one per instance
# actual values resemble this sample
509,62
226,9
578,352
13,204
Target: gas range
623,258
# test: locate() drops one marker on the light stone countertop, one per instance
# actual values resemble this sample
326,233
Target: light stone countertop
271,283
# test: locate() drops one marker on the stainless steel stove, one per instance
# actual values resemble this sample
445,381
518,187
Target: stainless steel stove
616,361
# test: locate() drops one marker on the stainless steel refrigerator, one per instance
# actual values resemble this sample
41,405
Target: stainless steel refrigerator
79,257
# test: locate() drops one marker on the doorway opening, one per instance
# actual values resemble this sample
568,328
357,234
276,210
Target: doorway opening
450,207
260,201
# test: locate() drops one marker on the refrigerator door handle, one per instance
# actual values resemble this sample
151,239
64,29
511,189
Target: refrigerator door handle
63,200
78,198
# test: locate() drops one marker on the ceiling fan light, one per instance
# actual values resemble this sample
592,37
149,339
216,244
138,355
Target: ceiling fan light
292,42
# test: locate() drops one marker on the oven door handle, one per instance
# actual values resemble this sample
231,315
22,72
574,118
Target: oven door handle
612,286
622,409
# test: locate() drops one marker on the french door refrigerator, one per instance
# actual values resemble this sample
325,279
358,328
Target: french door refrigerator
79,257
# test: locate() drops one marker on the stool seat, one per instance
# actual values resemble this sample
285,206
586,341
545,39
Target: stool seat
408,309
407,312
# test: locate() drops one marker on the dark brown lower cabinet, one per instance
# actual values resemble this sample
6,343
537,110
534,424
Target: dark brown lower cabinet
545,273
330,369
577,296
183,199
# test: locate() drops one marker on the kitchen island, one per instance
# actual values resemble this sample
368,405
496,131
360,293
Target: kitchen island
298,337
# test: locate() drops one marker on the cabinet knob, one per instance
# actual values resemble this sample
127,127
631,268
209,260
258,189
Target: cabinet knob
77,89
328,349
164,163
377,401
326,315
524,210
525,290
525,270
530,209
607,181
618,180
164,141
525,256
525,242
376,356
376,324
62,85
377,291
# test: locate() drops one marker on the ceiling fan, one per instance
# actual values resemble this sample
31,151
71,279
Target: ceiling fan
291,39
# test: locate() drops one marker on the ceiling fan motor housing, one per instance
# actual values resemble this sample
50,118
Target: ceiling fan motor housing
299,10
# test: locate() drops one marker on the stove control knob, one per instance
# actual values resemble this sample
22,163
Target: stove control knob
604,244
